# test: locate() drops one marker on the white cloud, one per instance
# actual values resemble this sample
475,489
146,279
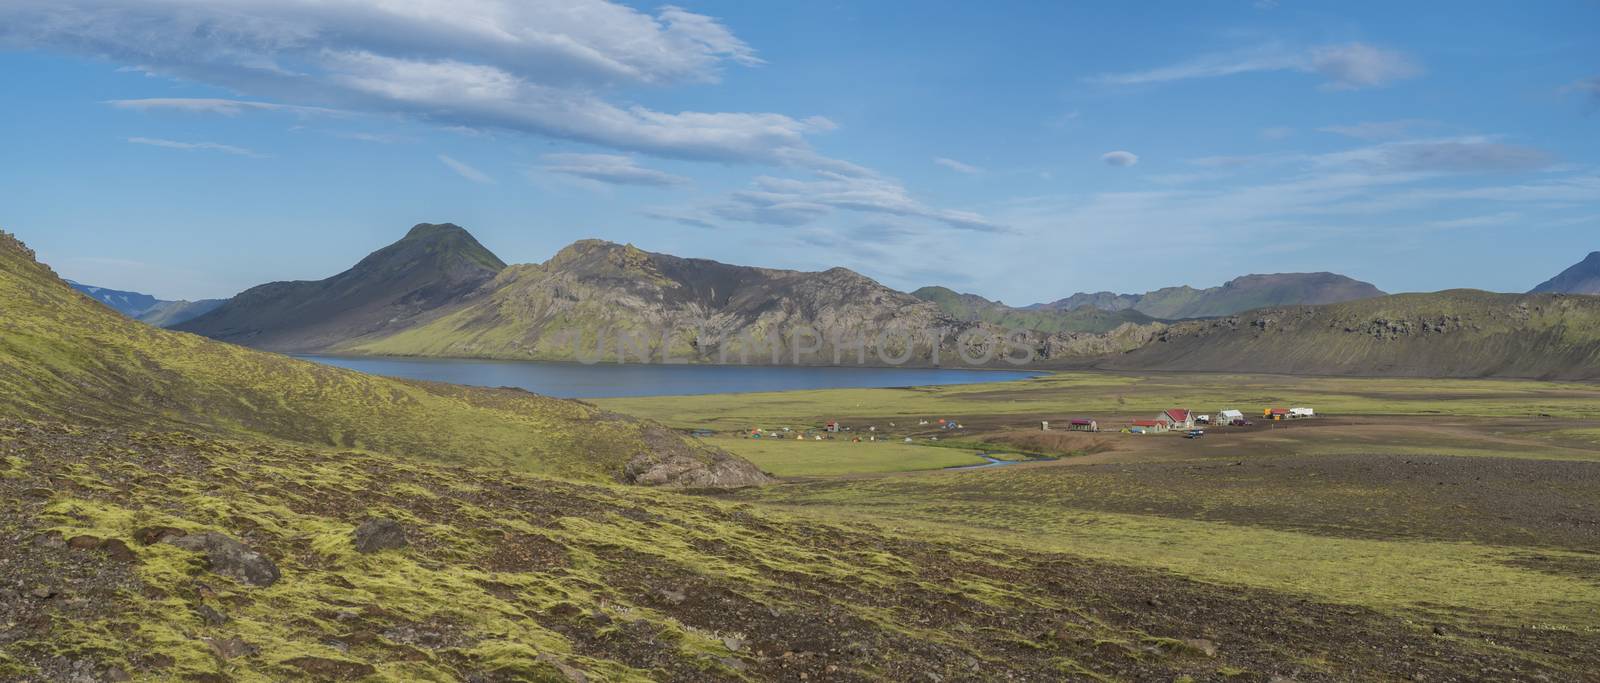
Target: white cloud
1455,155
609,168
1344,67
794,202
679,216
207,105
1378,130
542,67
1358,65
1120,158
957,166
466,171
200,146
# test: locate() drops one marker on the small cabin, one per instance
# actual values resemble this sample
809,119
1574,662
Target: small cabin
1177,418
1142,426
1228,417
1082,425
1275,413
832,426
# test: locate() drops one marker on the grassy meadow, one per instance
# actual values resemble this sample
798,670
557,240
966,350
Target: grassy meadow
1092,394
1440,501
808,458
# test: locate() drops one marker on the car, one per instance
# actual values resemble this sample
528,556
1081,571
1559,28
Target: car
1194,434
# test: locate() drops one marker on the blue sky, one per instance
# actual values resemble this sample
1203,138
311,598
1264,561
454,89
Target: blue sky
190,148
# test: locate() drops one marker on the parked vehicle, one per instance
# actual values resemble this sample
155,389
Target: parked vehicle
1194,434
1242,423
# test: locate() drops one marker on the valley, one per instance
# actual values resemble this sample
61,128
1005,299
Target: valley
179,496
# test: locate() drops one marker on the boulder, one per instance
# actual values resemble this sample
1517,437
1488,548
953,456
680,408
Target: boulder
230,558
379,534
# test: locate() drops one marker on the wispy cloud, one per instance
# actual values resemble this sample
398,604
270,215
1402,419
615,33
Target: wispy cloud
1120,158
1379,130
957,166
1585,86
544,67
197,146
1343,67
611,169
794,202
466,171
225,107
1277,133
1456,155
681,217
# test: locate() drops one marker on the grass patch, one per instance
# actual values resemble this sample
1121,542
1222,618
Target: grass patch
795,458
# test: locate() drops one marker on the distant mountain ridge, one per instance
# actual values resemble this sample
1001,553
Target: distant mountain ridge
1235,296
1454,333
974,308
433,266
1581,278
147,308
438,293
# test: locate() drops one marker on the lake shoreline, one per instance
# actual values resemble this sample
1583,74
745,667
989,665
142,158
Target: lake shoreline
570,379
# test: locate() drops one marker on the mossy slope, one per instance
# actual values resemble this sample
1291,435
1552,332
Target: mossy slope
62,355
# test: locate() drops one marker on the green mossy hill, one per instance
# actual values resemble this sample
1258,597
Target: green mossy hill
433,266
505,577
62,356
1455,333
974,308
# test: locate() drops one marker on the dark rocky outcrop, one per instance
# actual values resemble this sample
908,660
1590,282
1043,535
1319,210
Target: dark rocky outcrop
379,534
231,558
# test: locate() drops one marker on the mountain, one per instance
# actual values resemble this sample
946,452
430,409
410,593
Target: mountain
595,290
1455,333
146,308
62,356
1105,301
432,267
174,313
131,304
1237,295
1583,278
974,308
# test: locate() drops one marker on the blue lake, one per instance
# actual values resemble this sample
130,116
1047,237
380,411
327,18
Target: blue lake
609,380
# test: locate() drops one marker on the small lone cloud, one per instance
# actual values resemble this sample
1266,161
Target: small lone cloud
957,166
1120,158
466,171
198,146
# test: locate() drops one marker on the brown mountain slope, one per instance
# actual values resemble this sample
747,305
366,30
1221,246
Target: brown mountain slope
594,290
432,267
